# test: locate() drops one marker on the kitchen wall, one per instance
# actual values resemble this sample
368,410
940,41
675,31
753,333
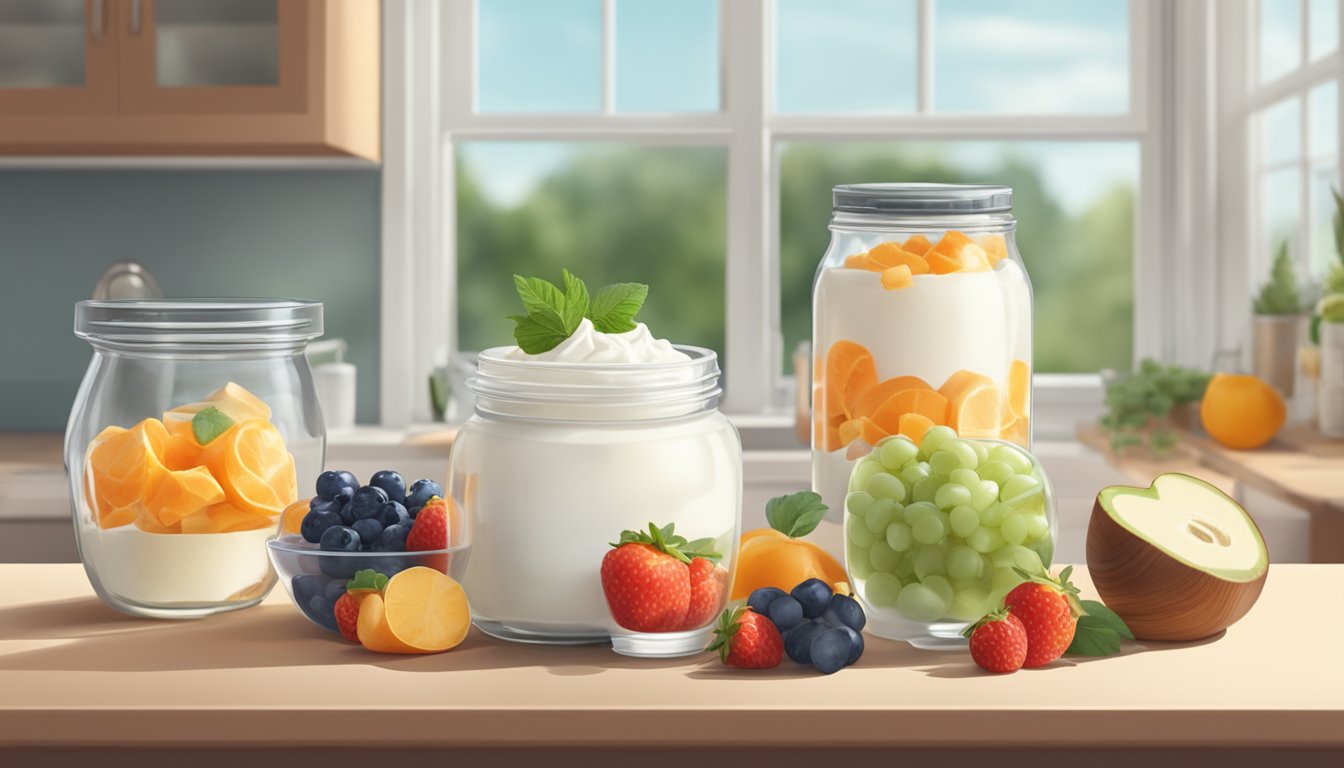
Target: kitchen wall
309,234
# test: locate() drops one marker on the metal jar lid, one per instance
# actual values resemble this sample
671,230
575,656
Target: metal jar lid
925,199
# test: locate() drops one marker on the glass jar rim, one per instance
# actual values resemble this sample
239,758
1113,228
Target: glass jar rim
199,320
923,199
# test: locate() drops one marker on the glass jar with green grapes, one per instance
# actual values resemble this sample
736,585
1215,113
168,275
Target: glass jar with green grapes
937,532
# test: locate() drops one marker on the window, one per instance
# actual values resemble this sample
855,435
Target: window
692,144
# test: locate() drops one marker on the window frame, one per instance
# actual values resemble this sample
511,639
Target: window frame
429,94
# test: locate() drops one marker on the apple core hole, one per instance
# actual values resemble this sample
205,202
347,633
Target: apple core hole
1209,533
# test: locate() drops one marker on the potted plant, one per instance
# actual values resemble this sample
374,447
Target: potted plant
1146,408
1330,412
1277,325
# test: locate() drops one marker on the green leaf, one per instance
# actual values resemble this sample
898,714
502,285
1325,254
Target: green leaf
614,307
1098,613
536,334
367,579
665,540
209,423
576,302
538,295
795,515
1093,639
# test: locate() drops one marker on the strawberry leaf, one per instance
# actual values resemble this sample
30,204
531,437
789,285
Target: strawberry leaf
729,623
1093,638
1100,615
367,579
665,540
795,515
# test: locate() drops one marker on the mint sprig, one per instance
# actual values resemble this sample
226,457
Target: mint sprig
667,541
209,423
553,315
795,515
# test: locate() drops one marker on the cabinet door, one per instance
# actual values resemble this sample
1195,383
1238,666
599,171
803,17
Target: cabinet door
57,57
213,57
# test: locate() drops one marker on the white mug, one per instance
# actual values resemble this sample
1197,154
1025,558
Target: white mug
335,383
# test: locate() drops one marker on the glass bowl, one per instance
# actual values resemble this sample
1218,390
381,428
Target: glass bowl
315,578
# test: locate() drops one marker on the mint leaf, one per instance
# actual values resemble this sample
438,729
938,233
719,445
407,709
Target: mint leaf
537,295
1103,616
795,515
551,316
576,302
536,334
1099,631
614,307
209,423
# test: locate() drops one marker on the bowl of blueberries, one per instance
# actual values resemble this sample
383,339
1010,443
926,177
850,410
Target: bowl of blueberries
385,526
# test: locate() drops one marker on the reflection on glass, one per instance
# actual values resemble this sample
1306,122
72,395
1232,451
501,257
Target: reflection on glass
209,43
609,213
1323,33
1031,56
41,43
1324,249
1280,38
1280,212
1281,132
848,56
1323,130
539,55
667,55
1075,231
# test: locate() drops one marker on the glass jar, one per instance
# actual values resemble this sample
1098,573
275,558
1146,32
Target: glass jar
921,316
559,459
194,422
936,534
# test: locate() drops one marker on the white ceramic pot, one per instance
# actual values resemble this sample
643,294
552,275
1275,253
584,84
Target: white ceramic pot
1331,407
1275,350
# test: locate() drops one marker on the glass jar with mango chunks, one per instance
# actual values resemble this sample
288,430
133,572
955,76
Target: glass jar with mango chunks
195,420
921,317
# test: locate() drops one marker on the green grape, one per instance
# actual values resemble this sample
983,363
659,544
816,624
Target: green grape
900,537
1019,489
934,439
942,588
884,486
941,463
1044,548
928,529
969,604
906,568
986,564
879,515
882,589
896,451
965,454
952,495
1037,526
985,539
925,489
1017,460
983,493
992,516
857,503
1006,556
911,475
883,557
920,603
981,451
964,477
917,510
857,562
1014,529
995,470
929,561
858,532
964,521
862,472
963,563
1003,580
1028,561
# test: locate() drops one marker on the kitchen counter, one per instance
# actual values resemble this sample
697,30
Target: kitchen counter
74,675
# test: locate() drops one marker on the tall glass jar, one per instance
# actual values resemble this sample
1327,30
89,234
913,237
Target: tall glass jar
194,422
921,317
559,459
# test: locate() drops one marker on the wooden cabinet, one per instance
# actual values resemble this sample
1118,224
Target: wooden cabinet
190,77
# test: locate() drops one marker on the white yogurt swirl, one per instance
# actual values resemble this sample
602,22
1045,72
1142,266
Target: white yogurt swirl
589,345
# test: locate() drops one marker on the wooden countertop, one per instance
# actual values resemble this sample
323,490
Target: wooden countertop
74,672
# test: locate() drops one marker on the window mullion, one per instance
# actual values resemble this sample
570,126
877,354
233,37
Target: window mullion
608,57
924,61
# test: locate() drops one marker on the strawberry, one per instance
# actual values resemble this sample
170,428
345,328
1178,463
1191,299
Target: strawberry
1049,611
430,531
747,640
647,580
709,582
366,582
998,642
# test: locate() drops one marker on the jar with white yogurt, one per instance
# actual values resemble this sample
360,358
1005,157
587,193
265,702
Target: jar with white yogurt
921,317
568,448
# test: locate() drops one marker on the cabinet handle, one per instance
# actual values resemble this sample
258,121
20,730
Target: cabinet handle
135,17
97,20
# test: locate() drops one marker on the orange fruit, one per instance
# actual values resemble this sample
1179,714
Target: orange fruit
888,255
1019,388
858,261
251,464
293,516
925,402
420,611
1241,412
861,379
183,493
1018,431
918,245
973,402
127,465
914,425
861,429
878,394
768,558
996,247
897,277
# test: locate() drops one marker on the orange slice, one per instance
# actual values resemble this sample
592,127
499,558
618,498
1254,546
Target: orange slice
914,425
183,493
897,277
861,379
1019,388
842,359
181,452
293,516
149,523
251,464
956,252
1017,431
973,404
925,402
859,261
888,255
996,247
420,611
863,429
877,395
918,245
127,465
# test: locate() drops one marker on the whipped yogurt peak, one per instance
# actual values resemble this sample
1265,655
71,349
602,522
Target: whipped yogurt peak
589,345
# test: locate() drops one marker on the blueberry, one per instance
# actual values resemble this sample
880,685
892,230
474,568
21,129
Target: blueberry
815,595
785,612
760,599
798,641
311,598
340,538
332,483
367,502
393,513
347,512
421,491
369,529
316,523
393,538
830,649
392,483
844,611
855,645
333,591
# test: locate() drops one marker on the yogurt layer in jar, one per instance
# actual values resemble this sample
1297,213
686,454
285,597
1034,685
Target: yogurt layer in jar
568,448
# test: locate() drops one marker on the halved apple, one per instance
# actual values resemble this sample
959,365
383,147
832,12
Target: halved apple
1178,560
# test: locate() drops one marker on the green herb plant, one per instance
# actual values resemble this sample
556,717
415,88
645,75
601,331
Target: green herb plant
1279,296
553,315
1142,402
